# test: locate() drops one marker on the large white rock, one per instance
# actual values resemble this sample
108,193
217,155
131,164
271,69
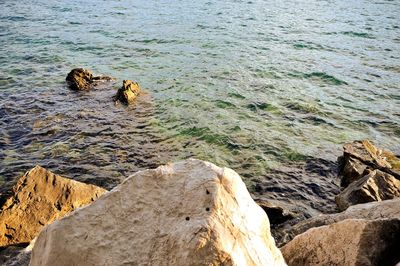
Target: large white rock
187,213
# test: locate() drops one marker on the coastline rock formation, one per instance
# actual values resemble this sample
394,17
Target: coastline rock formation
82,79
38,198
376,186
191,212
367,174
128,92
348,242
389,209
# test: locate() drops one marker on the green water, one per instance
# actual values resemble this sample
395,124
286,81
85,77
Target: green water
253,85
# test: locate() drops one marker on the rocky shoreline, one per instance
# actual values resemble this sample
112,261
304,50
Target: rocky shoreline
195,212
167,214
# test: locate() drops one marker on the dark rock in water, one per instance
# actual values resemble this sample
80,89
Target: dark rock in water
128,92
277,212
82,79
376,186
15,255
348,242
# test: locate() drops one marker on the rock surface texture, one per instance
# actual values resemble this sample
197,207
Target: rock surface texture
128,92
349,242
376,186
83,79
367,174
187,213
389,209
40,197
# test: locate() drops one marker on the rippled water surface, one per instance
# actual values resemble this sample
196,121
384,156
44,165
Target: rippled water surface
271,89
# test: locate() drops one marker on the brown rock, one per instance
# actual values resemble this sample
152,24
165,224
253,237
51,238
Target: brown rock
39,197
368,211
187,213
351,169
80,79
128,92
349,242
367,153
376,186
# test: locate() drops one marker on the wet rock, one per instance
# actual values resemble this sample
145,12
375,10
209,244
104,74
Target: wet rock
128,92
191,211
82,79
348,242
368,211
38,198
376,186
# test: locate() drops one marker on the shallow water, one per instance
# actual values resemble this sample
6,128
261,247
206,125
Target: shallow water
264,87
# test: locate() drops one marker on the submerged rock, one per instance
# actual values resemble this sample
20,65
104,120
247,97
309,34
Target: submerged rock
368,211
191,212
348,242
376,186
128,92
82,79
38,198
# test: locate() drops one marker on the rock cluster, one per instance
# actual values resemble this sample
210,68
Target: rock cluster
191,212
82,79
128,92
38,198
367,233
368,174
389,209
348,242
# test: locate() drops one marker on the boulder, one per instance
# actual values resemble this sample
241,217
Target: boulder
83,79
128,92
80,79
361,157
376,186
191,212
369,211
348,242
38,198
